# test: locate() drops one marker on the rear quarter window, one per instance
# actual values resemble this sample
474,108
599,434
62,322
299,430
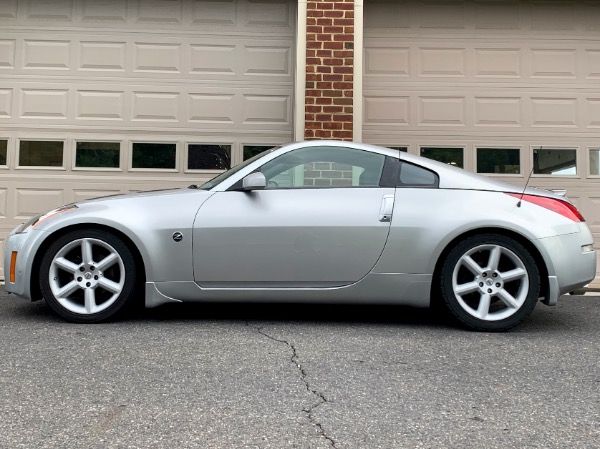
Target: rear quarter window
414,176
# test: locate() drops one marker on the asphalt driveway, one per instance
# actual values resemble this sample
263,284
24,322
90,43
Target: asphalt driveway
288,376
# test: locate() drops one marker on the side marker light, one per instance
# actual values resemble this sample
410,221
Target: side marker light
13,267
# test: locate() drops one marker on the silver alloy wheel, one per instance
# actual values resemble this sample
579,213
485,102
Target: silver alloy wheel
490,282
82,284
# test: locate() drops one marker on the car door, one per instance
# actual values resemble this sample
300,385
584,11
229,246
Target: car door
322,221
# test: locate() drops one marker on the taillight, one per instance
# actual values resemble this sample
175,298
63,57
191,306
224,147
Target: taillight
561,207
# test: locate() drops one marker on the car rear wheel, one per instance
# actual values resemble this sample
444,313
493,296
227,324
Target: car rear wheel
490,282
88,276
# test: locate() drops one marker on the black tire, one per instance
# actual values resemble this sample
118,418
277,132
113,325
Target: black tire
88,291
508,276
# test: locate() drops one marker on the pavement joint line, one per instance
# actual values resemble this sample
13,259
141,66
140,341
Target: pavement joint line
304,377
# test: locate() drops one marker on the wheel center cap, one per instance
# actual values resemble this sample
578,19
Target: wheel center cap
88,275
489,282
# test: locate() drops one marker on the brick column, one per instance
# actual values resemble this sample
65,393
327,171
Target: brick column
329,69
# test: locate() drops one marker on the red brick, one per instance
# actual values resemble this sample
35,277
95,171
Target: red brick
325,100
325,85
343,37
323,134
343,85
324,53
334,14
333,29
323,21
344,69
313,61
333,61
349,126
343,54
309,134
324,69
323,117
332,125
342,135
333,45
334,109
313,109
317,45
313,93
325,37
343,118
308,117
344,22
312,125
339,101
324,6
333,77
332,93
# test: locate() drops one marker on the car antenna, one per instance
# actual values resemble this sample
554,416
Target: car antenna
528,178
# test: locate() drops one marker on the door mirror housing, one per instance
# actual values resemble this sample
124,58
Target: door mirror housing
254,181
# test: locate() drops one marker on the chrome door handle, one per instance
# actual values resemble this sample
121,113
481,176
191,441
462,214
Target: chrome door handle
387,208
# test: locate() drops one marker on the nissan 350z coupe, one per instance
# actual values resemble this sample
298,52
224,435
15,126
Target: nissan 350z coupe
322,222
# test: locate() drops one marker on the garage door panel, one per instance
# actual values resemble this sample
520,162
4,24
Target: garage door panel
115,79
178,15
508,75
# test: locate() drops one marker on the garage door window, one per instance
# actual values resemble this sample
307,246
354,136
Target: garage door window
208,157
595,162
554,161
41,153
450,156
505,161
153,155
253,150
3,152
97,154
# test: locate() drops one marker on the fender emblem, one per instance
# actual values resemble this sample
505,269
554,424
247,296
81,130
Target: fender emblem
177,236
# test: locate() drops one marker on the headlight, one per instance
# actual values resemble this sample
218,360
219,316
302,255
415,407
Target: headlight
33,222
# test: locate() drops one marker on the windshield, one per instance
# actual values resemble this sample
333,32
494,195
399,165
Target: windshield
223,176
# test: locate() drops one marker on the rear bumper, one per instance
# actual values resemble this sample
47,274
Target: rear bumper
570,264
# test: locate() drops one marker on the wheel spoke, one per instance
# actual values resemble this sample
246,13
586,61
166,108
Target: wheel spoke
468,287
86,251
494,258
109,285
512,275
508,299
484,305
66,265
68,289
90,300
107,262
473,266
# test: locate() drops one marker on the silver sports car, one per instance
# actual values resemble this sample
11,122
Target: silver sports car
316,221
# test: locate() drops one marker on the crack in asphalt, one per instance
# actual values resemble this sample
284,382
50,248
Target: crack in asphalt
304,377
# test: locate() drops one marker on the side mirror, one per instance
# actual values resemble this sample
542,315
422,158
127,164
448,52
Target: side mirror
254,181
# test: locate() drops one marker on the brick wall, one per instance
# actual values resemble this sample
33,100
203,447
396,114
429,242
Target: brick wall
329,69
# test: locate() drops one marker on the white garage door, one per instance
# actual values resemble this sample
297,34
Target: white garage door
101,97
505,88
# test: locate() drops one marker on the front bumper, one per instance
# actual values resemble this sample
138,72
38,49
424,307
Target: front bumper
26,246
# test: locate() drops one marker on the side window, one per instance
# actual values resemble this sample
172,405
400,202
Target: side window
415,176
322,167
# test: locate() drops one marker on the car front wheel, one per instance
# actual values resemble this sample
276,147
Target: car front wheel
88,276
490,282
